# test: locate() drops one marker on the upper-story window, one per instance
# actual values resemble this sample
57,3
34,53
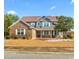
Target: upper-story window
39,24
32,24
43,24
46,24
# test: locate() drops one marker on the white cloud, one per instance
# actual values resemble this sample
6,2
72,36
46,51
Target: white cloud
72,1
11,12
53,7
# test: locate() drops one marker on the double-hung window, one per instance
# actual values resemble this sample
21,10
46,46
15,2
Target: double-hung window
20,31
46,24
32,24
39,24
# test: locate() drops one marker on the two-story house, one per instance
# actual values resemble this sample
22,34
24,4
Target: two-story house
36,26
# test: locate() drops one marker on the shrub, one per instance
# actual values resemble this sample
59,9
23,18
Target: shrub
15,37
7,37
70,35
65,36
23,37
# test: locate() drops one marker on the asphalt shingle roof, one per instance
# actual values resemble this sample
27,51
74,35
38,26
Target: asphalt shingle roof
35,18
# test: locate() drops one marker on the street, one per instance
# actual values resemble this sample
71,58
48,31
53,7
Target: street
14,55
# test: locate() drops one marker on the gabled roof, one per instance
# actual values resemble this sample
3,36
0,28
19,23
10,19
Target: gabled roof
14,23
36,18
26,19
19,21
52,18
30,18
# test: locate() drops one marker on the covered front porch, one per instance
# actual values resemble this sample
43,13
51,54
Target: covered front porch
45,33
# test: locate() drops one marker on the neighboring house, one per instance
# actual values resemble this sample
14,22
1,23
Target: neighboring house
34,26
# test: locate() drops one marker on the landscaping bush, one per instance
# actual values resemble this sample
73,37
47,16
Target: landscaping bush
23,37
65,36
7,37
70,35
15,37
28,36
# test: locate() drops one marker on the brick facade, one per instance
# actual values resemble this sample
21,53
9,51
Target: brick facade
12,30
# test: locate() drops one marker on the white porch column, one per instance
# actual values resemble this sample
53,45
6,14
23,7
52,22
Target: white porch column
33,34
50,33
42,33
53,33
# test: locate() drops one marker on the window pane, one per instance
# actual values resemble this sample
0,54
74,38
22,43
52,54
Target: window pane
32,24
22,31
18,30
18,33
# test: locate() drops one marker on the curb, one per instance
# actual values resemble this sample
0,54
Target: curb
38,52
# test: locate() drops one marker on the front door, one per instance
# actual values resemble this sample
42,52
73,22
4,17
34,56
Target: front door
38,34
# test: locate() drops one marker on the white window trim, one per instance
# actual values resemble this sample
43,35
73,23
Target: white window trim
24,32
16,31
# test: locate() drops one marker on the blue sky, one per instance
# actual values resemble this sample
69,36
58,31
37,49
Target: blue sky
39,7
